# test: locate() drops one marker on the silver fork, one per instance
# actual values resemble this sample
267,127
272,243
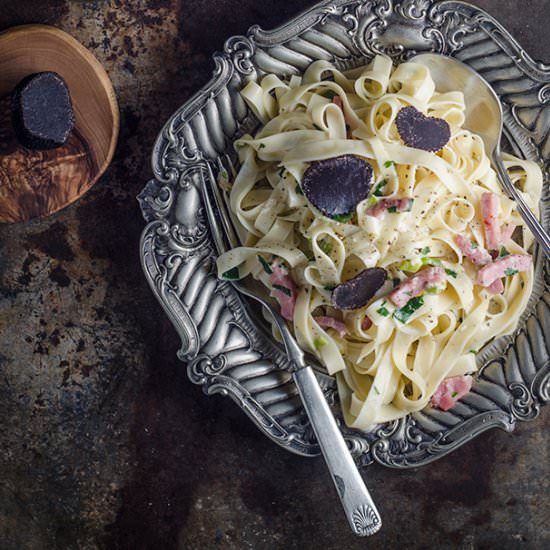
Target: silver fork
358,505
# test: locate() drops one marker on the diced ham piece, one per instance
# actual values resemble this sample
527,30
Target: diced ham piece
380,208
495,235
366,323
415,285
489,273
281,278
450,391
489,213
496,287
331,322
476,254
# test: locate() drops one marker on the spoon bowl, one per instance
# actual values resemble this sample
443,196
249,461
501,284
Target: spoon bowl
483,116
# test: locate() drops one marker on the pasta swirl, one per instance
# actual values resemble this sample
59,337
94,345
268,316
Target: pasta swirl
388,359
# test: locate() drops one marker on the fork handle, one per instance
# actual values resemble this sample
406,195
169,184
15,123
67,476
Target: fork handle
530,220
359,507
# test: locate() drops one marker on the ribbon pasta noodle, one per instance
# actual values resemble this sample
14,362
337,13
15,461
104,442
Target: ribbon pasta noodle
386,365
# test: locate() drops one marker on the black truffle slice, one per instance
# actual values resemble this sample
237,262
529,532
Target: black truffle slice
336,186
420,131
357,292
42,115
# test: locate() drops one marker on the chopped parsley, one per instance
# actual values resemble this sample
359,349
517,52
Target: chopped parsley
435,290
329,94
503,252
224,175
319,342
393,209
376,390
410,267
425,251
403,314
383,311
509,272
231,274
325,246
298,189
454,394
473,244
342,218
378,189
261,146
451,273
371,201
265,265
472,351
436,262
285,290
389,163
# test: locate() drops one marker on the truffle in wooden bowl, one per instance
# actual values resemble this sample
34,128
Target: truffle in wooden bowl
58,121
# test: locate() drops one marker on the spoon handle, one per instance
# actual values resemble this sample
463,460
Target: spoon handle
531,221
358,505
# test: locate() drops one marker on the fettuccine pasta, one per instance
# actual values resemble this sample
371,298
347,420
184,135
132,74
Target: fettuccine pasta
438,223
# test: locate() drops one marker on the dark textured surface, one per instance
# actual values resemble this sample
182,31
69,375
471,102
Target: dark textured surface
337,185
104,442
420,131
356,293
43,115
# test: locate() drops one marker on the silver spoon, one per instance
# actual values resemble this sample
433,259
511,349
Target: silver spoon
483,117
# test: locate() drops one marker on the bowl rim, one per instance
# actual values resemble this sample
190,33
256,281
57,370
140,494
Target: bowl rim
88,57
513,380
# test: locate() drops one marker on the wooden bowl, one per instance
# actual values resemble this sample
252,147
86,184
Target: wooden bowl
38,183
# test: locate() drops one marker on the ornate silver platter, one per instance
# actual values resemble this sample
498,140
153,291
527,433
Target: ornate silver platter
227,351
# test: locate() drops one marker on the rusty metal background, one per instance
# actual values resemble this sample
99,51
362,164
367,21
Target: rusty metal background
104,441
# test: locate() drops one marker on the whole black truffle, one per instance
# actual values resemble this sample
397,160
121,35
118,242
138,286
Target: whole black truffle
420,131
42,115
357,292
336,186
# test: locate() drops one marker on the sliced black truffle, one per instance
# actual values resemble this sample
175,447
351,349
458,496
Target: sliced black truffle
357,292
336,186
420,131
42,115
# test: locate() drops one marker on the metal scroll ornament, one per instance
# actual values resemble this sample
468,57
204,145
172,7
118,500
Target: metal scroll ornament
226,349
365,520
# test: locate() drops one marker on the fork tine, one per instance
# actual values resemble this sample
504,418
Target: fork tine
218,211
230,165
221,205
215,230
225,194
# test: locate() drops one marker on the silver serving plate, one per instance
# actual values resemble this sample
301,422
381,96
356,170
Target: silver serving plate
226,347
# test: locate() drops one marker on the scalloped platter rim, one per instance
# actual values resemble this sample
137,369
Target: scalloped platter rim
226,350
